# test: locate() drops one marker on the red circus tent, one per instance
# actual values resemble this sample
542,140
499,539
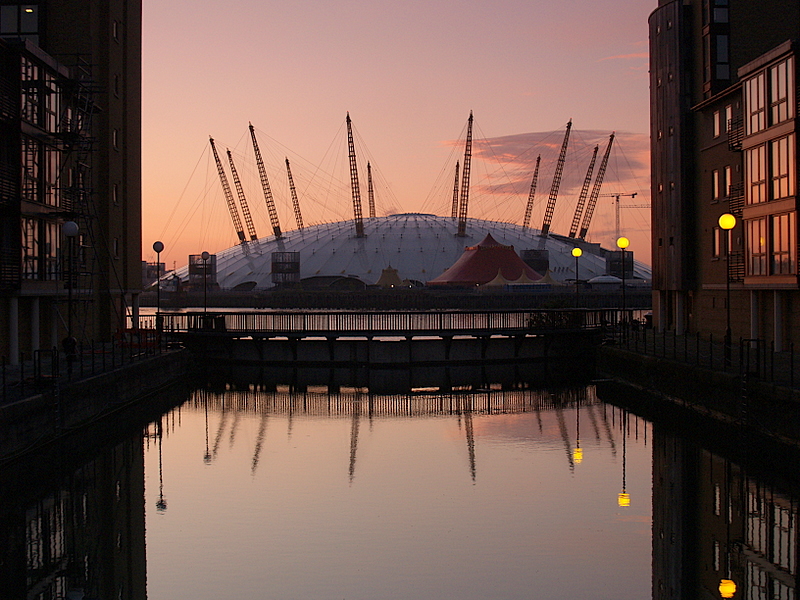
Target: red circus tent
480,264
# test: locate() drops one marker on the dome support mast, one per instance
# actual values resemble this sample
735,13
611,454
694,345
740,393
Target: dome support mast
454,212
370,192
359,220
598,181
295,203
576,219
248,219
262,172
237,222
551,201
529,208
462,207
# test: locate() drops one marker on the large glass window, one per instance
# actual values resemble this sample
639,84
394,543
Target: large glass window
783,167
756,247
715,184
30,248
781,84
19,20
756,174
31,164
755,103
782,259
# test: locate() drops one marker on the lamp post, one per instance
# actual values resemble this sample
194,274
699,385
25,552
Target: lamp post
623,243
727,222
205,256
158,247
577,252
70,231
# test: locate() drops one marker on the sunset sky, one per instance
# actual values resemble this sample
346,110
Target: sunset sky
409,73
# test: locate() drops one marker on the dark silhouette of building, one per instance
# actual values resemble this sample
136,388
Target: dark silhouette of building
70,154
723,79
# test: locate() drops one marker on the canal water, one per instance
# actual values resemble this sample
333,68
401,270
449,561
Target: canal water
314,494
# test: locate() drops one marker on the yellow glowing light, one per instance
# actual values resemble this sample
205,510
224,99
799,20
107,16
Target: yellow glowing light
578,455
727,221
623,243
727,588
28,10
576,252
624,499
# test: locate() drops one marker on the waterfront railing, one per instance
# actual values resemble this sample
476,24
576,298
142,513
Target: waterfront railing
377,323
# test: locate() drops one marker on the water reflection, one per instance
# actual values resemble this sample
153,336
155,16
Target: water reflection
77,532
497,493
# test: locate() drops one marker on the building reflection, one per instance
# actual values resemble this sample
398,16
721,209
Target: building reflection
720,529
75,532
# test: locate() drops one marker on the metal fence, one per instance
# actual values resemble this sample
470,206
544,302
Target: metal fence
374,323
43,369
753,357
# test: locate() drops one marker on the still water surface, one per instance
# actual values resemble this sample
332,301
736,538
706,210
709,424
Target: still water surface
502,494
496,494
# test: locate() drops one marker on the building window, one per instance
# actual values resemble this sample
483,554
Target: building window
783,167
757,247
115,138
115,194
756,174
726,181
716,126
728,117
115,30
715,185
755,103
782,259
781,83
717,242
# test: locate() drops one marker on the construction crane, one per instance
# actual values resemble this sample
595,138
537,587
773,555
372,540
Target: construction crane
462,205
598,181
454,212
551,201
295,203
359,220
576,219
529,208
237,222
248,219
617,206
262,172
370,192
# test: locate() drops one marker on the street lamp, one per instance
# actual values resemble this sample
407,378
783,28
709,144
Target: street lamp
576,252
70,231
205,256
158,247
623,243
727,222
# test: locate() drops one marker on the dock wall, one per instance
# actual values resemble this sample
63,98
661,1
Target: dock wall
37,420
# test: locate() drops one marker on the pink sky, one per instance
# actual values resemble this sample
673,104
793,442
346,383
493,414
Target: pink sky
409,73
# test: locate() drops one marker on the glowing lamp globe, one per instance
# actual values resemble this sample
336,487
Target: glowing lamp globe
623,243
577,252
727,588
727,221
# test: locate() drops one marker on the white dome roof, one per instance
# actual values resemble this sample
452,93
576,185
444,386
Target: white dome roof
419,246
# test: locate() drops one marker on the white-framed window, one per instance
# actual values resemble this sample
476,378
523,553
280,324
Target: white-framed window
781,88
783,167
726,181
755,171
755,97
782,256
756,254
